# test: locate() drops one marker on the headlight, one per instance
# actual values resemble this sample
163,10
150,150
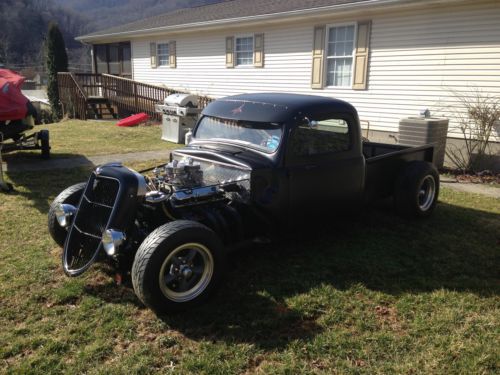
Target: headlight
64,213
111,241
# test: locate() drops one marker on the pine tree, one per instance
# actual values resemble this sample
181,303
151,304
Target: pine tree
57,61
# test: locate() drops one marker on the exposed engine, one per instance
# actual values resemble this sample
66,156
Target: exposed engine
186,182
199,190
187,174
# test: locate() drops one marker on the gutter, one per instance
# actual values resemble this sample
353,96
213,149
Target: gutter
263,17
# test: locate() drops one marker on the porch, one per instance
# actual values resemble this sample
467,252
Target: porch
105,96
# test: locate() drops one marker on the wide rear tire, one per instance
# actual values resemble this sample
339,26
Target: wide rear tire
178,266
417,190
71,196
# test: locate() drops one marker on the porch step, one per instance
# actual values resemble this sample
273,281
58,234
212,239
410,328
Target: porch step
100,108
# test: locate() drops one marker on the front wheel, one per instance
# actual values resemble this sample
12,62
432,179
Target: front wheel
177,266
417,190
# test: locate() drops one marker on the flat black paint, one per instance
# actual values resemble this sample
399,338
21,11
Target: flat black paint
285,187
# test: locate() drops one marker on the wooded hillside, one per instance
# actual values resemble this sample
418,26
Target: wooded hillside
102,14
24,25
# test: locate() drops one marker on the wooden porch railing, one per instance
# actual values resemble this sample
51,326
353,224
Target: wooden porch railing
132,96
91,84
72,97
127,95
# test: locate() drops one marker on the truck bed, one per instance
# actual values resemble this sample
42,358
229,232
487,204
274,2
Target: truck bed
384,163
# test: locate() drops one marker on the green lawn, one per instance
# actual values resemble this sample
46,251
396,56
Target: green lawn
374,295
76,138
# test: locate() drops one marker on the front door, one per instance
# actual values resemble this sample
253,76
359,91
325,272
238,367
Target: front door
325,170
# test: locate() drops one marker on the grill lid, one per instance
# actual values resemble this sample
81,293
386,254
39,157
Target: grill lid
181,100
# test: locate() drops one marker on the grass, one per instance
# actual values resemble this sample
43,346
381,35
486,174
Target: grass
73,138
377,295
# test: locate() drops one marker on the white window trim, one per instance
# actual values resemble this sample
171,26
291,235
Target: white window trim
354,45
246,66
167,65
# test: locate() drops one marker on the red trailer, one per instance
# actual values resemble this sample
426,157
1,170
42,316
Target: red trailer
17,116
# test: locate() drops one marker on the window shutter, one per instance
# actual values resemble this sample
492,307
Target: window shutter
152,53
230,52
258,50
172,55
361,57
317,81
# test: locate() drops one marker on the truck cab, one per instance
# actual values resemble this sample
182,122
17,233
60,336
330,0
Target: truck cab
305,152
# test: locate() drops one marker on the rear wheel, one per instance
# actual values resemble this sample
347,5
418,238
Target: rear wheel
71,196
177,266
417,190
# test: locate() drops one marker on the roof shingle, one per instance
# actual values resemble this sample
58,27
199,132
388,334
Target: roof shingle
220,11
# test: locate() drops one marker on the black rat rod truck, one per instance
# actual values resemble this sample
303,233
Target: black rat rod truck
255,163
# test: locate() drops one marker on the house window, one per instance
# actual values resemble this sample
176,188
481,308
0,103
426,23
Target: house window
101,58
163,54
113,59
244,51
340,55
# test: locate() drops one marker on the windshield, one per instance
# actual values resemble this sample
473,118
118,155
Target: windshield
261,135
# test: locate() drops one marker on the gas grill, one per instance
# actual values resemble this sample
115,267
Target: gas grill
180,112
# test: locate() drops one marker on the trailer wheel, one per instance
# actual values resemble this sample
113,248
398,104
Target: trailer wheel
417,190
43,136
178,266
71,196
6,187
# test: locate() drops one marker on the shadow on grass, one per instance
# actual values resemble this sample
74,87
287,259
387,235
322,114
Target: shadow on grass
456,249
40,187
33,156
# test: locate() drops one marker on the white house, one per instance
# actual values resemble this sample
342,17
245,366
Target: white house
390,58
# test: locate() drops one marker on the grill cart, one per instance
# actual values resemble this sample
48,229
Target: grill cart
179,115
17,116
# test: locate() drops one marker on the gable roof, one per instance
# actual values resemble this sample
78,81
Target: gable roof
233,10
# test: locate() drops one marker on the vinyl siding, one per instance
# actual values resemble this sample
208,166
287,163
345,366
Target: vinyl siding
416,58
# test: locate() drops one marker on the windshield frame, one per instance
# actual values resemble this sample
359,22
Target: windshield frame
240,142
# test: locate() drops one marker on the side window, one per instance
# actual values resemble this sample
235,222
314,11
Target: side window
320,137
244,51
163,54
340,56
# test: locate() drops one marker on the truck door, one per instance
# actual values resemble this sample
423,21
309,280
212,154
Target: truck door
325,165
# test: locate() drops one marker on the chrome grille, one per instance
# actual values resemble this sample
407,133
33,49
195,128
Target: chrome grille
92,217
102,191
94,212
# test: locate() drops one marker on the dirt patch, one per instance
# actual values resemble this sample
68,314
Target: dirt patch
388,317
484,177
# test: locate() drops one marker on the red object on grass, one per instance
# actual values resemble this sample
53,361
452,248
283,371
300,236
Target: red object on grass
133,120
13,104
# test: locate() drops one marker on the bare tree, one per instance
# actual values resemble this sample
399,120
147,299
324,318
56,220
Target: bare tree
477,117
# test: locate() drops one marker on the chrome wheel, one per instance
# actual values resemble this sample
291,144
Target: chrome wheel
426,193
186,272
